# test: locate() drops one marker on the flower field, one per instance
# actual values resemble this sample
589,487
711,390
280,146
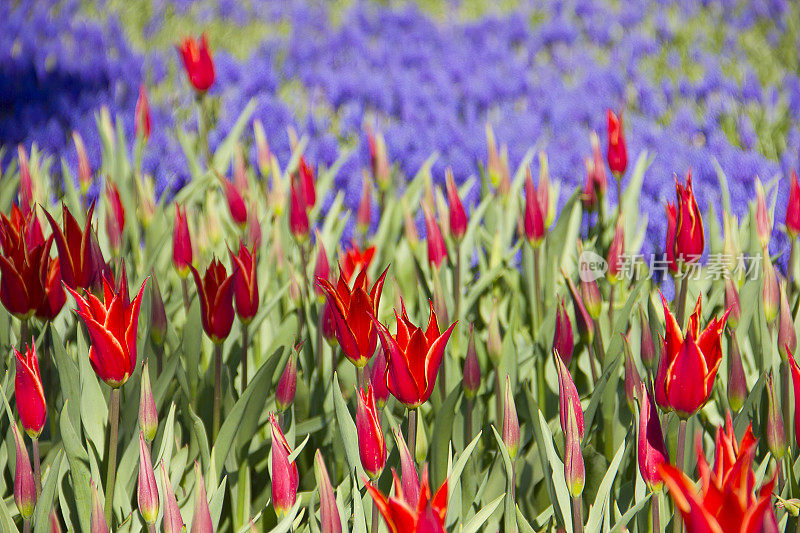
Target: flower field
395,266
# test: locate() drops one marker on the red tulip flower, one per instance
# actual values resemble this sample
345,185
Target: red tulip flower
437,251
236,204
29,392
616,253
428,515
689,362
78,254
533,218
142,114
298,212
245,282
215,290
371,442
306,175
689,239
726,501
23,263
652,451
413,357
617,152
352,310
458,215
285,477
54,295
181,242
354,260
793,208
672,221
563,340
112,325
197,62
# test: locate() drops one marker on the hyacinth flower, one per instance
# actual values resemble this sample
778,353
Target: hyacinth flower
400,515
330,521
285,477
725,501
197,63
351,309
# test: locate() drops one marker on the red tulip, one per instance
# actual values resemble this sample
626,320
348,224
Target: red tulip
115,216
298,212
235,202
689,362
54,295
377,374
173,521
112,325
98,519
568,398
287,385
616,252
458,215
589,194
651,449
689,238
563,341
672,220
427,515
364,215
351,310
598,166
308,188
285,478
647,348
793,208
78,256
198,63
413,357
24,263
322,268
787,338
726,501
142,114
617,153
408,470
543,190
796,387
181,242
354,260
330,521
533,218
245,282
201,520
215,290
371,442
437,251
29,392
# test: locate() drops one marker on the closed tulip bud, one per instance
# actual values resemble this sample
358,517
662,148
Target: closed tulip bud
574,470
787,338
647,348
543,190
494,343
147,490
263,154
510,422
652,452
145,197
284,393
298,215
201,520
617,152
590,294
563,341
245,282
458,215
173,521
29,392
763,219
408,470
616,252
377,375
306,176
770,292
328,324
182,253
158,314
583,319
330,521
796,388
277,194
504,186
732,303
378,158
776,439
689,240
215,290
568,397
437,251
98,519
322,268
24,485
142,115
235,202
364,214
793,208
197,63
107,127
589,194
632,378
148,416
533,219
737,382
472,368
84,169
285,478
371,443
493,163
598,166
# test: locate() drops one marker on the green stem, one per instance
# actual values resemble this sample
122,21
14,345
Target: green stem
577,515
537,290
677,522
457,284
618,179
375,516
111,473
785,395
24,333
790,278
411,438
360,377
217,387
684,289
26,525
245,345
203,127
611,306
185,288
468,422
37,467
654,499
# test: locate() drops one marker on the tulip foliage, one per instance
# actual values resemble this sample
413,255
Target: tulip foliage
248,354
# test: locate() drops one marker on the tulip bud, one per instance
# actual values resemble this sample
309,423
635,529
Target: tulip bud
98,520
493,164
158,314
173,522
201,521
543,190
732,303
197,63
510,422
277,194
494,343
504,186
616,252
307,186
142,115
364,214
589,196
378,377
632,378
147,491
439,302
240,182
181,242
652,451
284,393
24,485
533,220
458,216
107,128
590,293
330,521
787,338
617,152
298,216
563,341
689,239
437,251
29,393
776,439
322,268
378,158
84,169
568,396
583,320
574,470
55,525
472,368
737,382
598,166
793,208
647,350
763,220
145,197
371,444
732,250
285,478
235,202
262,148
148,416
408,470
770,291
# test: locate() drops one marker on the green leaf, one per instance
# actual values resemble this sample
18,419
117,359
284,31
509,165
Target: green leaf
510,514
78,469
597,393
69,378
594,522
480,518
440,440
5,519
94,411
630,513
224,152
45,502
347,430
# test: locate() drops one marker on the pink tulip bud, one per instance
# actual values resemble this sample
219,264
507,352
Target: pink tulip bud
583,321
574,470
364,215
732,303
647,348
84,170
437,251
263,155
98,520
28,391
568,397
142,122
147,493
796,387
589,196
201,521
616,252
590,294
651,449
737,382
240,171
458,215
563,341
776,439
235,201
285,478
598,166
158,314
148,416
173,522
322,268
115,217
787,338
408,470
533,220
493,163
330,521
328,325
472,368
378,377
770,293
24,485
253,226
371,443
182,250
510,422
632,379
284,393
763,220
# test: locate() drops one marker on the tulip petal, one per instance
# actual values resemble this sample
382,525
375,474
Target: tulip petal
686,379
433,359
398,375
